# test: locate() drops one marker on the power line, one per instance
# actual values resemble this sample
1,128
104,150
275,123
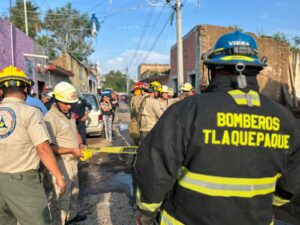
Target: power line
98,15
141,38
155,23
159,35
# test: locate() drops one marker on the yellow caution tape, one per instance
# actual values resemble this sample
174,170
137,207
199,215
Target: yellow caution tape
88,152
86,155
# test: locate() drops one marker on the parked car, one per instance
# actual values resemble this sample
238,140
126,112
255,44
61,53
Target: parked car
94,122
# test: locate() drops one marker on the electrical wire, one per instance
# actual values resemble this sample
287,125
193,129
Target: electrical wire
157,38
141,38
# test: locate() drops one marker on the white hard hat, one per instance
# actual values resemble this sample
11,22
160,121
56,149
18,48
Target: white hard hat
65,92
171,91
164,89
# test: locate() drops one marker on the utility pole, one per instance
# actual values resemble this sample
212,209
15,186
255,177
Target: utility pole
127,80
11,38
25,12
179,45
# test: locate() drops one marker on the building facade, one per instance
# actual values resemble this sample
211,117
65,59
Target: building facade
201,38
80,71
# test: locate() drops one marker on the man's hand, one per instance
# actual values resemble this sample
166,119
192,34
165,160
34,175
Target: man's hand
85,116
77,152
82,146
61,185
144,220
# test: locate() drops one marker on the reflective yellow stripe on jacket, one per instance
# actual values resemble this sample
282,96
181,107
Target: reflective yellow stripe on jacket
278,201
226,186
166,219
151,207
241,98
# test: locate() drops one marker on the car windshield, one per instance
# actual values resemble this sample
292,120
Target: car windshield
91,99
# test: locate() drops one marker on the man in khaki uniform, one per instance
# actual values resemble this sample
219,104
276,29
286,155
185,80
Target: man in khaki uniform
23,143
150,108
138,92
187,90
67,144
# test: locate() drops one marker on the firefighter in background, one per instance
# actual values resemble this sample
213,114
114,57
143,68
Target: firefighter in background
187,90
150,109
164,99
138,93
23,144
219,157
67,144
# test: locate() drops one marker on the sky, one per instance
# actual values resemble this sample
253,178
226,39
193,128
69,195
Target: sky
140,31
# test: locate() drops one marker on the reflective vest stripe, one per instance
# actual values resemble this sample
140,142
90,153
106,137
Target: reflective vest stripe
225,186
241,98
166,219
151,207
278,201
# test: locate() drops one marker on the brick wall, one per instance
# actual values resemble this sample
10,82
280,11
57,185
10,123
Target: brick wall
272,77
157,68
295,64
80,79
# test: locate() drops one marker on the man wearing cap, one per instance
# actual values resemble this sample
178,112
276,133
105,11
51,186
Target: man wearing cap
150,109
67,144
23,144
219,158
138,91
46,98
187,90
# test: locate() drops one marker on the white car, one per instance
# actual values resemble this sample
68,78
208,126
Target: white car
94,123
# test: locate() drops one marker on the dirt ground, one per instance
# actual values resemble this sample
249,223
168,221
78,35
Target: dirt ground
106,193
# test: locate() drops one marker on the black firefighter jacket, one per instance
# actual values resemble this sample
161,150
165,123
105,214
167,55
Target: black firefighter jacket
218,159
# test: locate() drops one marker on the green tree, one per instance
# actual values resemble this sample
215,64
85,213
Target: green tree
296,40
69,31
116,80
18,17
280,36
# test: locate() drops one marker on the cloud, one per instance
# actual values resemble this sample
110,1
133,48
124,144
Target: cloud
125,60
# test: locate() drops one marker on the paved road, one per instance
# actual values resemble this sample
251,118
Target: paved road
106,193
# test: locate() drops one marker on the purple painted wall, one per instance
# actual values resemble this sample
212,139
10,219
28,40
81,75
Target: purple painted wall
21,43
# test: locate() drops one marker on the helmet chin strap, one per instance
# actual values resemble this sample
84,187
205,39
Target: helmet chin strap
68,115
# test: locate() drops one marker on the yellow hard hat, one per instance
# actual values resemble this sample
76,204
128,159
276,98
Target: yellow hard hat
164,89
13,76
186,87
171,91
65,92
156,84
153,86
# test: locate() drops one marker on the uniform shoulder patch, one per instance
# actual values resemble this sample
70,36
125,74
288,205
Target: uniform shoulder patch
7,122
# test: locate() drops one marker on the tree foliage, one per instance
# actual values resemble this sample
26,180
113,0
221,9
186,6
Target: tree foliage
280,36
18,17
296,40
69,31
116,80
